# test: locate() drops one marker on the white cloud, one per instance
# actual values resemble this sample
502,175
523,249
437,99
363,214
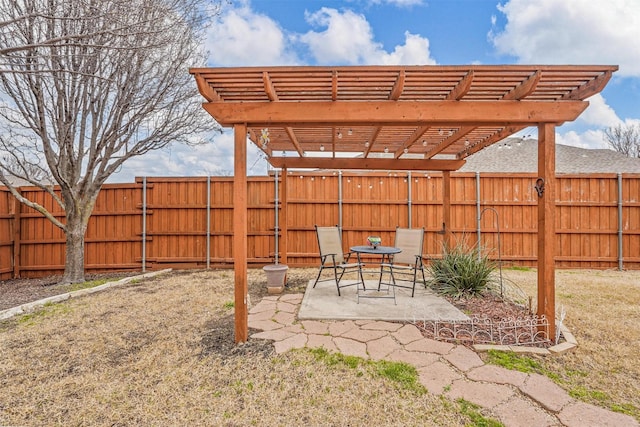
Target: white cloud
348,40
572,32
212,158
588,139
400,3
599,113
242,37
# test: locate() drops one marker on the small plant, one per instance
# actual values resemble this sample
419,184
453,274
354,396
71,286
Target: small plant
461,271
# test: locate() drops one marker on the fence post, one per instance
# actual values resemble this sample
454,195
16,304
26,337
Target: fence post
409,199
620,225
17,232
208,222
340,199
276,201
144,224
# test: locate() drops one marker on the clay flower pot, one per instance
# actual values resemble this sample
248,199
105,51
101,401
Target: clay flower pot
276,277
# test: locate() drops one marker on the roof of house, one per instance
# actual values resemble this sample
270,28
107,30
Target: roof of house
516,155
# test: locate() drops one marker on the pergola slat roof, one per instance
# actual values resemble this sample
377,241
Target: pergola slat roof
414,113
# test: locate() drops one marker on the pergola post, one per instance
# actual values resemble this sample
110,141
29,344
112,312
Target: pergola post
283,218
240,232
446,208
546,189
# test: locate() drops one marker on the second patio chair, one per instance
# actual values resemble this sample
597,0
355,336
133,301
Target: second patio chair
332,257
407,263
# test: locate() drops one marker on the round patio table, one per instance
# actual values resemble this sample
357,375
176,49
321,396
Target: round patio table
384,252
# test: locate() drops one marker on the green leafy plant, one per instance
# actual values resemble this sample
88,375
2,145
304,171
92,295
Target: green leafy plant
462,271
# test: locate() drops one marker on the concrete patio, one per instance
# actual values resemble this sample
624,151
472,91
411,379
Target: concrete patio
323,302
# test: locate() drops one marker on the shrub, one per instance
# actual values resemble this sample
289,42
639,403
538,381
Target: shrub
462,271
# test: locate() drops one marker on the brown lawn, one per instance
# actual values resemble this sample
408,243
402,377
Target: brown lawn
159,352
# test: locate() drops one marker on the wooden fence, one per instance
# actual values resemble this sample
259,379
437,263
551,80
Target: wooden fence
157,223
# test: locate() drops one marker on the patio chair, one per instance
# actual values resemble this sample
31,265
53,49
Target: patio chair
407,263
332,257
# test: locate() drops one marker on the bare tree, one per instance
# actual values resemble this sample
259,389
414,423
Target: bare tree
86,85
624,139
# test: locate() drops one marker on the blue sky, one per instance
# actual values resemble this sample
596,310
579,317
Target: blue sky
419,32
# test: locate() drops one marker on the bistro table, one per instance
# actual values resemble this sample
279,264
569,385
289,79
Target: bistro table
385,252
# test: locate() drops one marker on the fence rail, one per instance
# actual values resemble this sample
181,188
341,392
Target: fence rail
157,223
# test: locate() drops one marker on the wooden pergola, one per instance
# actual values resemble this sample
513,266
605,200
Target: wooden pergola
395,118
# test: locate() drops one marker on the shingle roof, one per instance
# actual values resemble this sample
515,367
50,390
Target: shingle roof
515,155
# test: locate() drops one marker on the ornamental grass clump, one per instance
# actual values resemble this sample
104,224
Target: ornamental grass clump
462,272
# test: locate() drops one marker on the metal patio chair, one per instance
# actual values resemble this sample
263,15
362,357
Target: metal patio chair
332,257
407,263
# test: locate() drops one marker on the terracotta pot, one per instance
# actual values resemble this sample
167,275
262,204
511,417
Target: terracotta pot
276,277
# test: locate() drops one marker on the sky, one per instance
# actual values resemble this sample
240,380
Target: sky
418,32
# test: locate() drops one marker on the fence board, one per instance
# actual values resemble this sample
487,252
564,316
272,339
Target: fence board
371,204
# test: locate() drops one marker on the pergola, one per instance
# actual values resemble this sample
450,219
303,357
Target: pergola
395,118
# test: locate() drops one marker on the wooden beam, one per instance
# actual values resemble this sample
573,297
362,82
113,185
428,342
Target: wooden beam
546,225
284,209
395,112
240,229
268,87
294,140
366,163
398,86
411,140
524,89
465,130
372,141
498,136
461,89
205,90
591,88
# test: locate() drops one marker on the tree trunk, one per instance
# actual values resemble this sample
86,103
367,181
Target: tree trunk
74,257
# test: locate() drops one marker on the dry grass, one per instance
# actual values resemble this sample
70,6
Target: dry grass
146,354
603,312
158,353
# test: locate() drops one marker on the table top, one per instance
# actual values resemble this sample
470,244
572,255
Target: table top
381,250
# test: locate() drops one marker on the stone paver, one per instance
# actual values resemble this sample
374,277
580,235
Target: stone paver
265,325
321,341
580,414
263,305
350,347
415,358
514,398
284,318
364,335
315,327
486,395
287,307
407,334
382,347
431,346
498,375
463,358
521,412
338,328
546,392
276,335
296,341
380,325
438,377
